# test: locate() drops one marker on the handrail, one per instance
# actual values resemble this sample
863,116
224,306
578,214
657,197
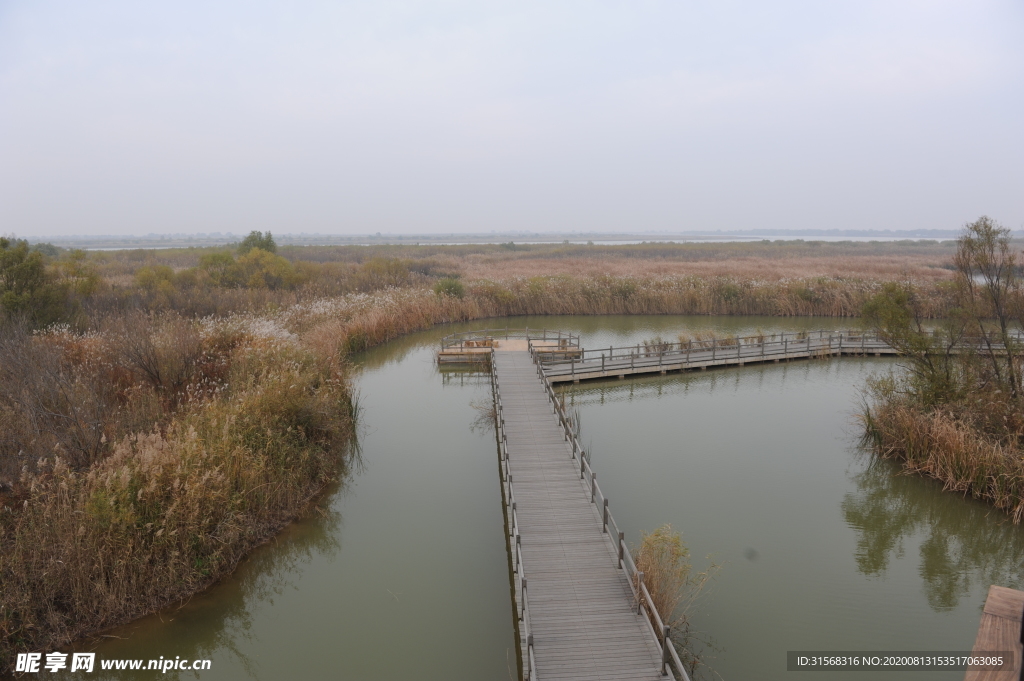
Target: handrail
645,604
515,542
719,347
462,337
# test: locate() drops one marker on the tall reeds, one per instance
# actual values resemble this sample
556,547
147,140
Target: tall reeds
674,587
154,513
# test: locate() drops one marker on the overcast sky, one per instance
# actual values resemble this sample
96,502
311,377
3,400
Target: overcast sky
415,117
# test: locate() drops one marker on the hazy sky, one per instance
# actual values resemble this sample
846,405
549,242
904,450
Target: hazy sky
411,117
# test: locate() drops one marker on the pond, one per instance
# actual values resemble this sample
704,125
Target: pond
403,572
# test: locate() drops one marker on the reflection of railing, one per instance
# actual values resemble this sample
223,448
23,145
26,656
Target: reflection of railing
644,602
484,338
515,545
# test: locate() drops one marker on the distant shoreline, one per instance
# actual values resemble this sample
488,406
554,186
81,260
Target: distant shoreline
202,240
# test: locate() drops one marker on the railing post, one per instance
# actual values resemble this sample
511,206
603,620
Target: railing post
639,591
593,486
604,527
582,464
664,649
528,662
622,547
714,348
689,344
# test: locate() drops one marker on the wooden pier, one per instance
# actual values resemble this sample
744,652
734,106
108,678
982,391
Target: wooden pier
619,362
582,608
1000,631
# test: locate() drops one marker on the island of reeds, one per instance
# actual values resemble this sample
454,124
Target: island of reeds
162,412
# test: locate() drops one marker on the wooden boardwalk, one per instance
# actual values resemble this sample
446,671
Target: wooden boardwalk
580,614
629,361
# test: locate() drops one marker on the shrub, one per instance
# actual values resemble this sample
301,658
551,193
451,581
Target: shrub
450,287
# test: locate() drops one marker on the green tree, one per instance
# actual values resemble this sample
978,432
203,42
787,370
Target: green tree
257,239
27,288
895,314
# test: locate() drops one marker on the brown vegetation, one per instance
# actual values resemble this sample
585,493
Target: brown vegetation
956,413
674,587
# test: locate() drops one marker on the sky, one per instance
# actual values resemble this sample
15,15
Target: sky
455,117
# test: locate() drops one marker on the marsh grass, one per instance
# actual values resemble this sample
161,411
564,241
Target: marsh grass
675,588
947,446
100,530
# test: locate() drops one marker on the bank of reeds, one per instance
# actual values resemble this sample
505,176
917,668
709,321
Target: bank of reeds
944,445
820,296
97,530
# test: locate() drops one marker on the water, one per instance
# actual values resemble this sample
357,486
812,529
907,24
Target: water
404,572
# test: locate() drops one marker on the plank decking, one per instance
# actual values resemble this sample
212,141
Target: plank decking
583,616
624,362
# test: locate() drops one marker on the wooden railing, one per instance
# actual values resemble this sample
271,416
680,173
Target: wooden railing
670,660
722,347
471,338
515,544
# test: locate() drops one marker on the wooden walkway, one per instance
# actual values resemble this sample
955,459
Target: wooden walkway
581,615
629,361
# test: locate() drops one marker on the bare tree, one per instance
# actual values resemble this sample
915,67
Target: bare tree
990,289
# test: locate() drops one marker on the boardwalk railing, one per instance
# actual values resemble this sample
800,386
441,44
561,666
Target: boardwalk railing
481,337
670,660
726,347
515,543
656,355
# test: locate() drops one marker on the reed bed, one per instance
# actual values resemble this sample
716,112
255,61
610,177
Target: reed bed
944,445
108,519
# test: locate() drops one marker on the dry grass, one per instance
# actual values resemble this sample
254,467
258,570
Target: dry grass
674,588
97,530
919,268
946,446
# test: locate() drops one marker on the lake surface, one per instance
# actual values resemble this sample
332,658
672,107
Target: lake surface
403,573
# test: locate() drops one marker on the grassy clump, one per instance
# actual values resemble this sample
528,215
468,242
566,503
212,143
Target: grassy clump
674,587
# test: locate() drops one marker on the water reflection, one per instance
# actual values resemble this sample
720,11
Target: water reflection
959,547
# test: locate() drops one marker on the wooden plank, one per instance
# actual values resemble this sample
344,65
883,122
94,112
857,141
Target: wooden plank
582,614
1000,630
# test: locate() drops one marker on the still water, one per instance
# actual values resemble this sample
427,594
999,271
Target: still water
403,572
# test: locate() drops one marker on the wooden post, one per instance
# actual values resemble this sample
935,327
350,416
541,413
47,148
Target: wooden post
639,591
689,344
714,347
622,547
664,649
593,487
604,527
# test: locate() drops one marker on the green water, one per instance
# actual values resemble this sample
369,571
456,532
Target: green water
404,574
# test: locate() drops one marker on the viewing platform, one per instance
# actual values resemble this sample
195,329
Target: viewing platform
474,347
